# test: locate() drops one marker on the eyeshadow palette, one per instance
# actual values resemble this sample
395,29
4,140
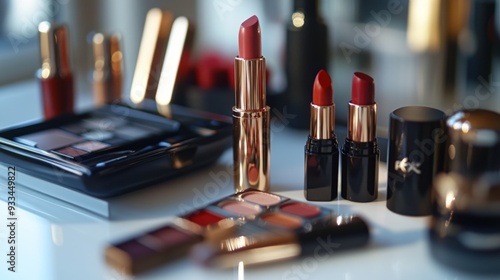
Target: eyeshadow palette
248,213
116,148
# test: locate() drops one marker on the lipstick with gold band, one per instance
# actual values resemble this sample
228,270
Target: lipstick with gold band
321,154
55,75
108,68
360,153
251,127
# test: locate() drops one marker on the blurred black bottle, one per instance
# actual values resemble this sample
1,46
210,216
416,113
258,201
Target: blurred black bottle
306,54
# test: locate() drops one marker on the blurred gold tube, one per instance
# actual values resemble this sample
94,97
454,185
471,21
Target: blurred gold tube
424,25
108,68
151,53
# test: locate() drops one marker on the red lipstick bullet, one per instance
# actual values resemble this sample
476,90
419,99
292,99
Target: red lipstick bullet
321,161
363,89
322,89
251,129
360,153
249,42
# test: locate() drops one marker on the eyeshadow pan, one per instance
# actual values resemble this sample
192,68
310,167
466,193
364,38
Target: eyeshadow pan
301,209
103,123
76,128
204,218
261,198
134,249
282,220
71,152
98,135
149,127
204,131
132,132
91,146
115,141
240,208
50,139
169,236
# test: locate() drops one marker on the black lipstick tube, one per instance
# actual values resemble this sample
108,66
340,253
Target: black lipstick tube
360,155
321,156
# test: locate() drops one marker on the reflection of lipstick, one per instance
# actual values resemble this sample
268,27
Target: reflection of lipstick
321,150
251,135
108,68
360,154
151,52
55,74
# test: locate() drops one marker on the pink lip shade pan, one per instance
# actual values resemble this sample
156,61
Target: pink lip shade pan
301,209
240,208
251,199
261,198
71,152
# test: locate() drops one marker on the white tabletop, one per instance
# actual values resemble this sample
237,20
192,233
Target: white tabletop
57,241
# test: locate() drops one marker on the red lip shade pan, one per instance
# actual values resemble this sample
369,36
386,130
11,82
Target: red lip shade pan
268,212
301,209
204,218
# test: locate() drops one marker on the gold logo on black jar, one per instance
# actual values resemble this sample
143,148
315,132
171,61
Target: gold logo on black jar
407,166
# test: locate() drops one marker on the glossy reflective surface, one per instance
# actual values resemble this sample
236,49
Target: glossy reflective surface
59,241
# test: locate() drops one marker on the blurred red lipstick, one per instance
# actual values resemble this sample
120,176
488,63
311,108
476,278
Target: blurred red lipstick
55,75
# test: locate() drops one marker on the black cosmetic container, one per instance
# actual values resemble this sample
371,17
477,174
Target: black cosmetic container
360,170
306,54
321,169
464,231
417,137
473,145
360,154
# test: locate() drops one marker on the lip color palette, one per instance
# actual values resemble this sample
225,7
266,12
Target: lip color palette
265,211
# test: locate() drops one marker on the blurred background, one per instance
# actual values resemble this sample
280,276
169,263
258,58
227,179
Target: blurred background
439,53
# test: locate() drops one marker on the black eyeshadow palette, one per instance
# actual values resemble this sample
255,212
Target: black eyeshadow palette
116,148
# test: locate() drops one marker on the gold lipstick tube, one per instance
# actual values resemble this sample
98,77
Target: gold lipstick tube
251,126
360,155
362,122
322,124
56,78
108,68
